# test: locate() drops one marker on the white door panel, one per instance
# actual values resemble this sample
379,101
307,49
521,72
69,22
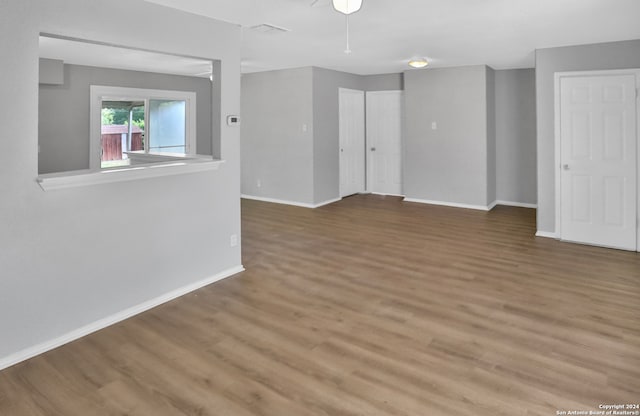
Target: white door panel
351,141
384,142
598,153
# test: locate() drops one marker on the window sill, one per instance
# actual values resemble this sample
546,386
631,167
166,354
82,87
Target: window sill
63,180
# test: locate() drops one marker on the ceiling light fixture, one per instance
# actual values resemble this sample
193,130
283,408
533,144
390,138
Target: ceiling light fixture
418,62
347,7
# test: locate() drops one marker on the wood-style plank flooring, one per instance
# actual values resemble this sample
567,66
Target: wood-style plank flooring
369,306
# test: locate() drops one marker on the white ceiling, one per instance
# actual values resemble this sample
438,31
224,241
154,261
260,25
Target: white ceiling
386,33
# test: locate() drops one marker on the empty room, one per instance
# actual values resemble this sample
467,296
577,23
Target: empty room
319,207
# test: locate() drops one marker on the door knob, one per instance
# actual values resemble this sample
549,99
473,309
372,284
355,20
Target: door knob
373,149
565,167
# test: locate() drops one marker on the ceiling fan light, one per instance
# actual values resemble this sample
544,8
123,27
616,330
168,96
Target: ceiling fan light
418,63
347,6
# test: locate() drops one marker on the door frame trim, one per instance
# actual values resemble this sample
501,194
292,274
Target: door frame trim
368,157
558,76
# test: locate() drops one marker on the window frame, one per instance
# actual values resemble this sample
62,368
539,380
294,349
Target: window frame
99,93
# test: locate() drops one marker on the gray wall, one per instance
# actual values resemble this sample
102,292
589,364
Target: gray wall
448,164
53,277
384,82
64,112
218,119
614,55
275,148
51,71
516,136
504,102
491,135
291,164
326,166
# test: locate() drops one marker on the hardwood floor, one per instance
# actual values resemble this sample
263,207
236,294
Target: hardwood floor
369,306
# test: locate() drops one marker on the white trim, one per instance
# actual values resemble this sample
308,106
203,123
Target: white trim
557,162
99,92
516,204
492,205
451,204
277,201
286,202
557,157
73,179
327,202
30,352
383,194
546,234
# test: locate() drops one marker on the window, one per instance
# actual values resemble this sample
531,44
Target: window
132,125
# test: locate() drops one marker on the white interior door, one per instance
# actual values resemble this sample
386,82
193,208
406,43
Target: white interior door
351,108
598,160
384,142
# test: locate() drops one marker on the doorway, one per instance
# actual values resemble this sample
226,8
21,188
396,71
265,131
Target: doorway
597,155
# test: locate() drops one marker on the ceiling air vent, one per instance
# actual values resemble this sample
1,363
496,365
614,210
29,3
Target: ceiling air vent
269,29
320,3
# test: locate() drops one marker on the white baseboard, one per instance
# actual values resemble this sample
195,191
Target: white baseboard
516,204
546,234
285,202
30,352
381,194
451,204
327,202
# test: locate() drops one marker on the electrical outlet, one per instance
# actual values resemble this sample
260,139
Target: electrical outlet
233,240
258,183
434,125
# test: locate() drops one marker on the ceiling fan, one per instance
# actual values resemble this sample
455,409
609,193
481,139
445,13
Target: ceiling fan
345,7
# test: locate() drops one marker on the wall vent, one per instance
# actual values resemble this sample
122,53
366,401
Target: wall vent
269,28
320,3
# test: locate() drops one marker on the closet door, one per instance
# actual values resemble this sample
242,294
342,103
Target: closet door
351,141
598,160
384,142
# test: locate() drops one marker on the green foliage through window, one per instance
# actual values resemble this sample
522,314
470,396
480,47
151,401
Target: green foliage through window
120,116
107,116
